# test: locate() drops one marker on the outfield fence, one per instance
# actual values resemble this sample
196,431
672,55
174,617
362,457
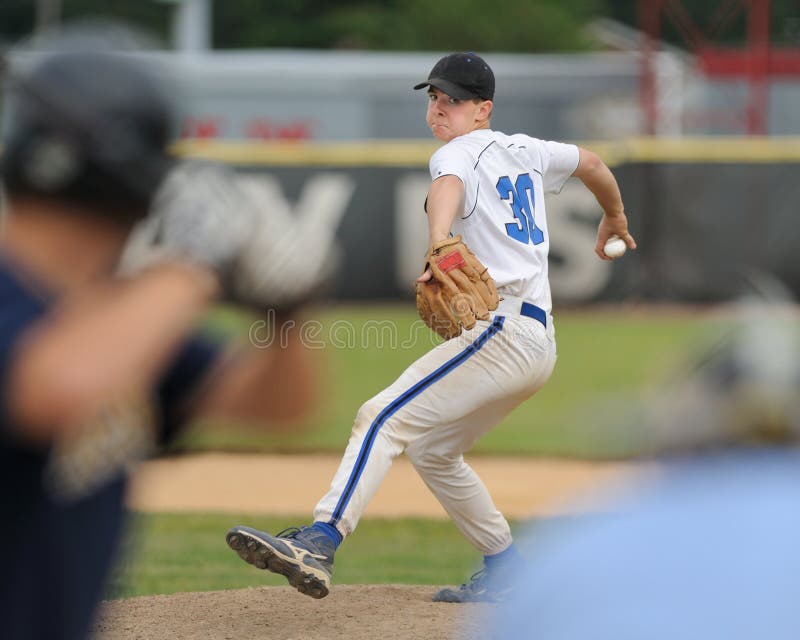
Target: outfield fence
711,216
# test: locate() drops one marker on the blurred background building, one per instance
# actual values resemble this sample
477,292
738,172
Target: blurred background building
660,67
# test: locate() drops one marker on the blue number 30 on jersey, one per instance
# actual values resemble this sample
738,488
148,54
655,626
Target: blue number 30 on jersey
520,197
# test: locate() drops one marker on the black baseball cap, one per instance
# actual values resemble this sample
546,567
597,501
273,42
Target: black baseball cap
462,76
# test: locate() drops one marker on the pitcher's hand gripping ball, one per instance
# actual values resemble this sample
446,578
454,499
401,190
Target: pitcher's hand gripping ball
615,247
460,290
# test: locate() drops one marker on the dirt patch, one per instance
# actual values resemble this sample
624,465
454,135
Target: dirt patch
292,485
350,612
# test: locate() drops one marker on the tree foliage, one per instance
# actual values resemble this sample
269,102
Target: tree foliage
18,17
407,25
520,25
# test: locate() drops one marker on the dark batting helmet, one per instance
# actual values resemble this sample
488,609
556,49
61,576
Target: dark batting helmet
87,127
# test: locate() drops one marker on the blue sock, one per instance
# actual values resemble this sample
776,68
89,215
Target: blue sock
330,531
507,555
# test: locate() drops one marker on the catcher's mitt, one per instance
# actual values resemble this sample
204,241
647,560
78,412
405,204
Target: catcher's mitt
460,291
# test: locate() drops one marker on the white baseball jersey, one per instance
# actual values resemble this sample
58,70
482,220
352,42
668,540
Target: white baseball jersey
504,220
442,403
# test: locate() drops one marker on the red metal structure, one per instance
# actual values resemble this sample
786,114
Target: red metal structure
756,62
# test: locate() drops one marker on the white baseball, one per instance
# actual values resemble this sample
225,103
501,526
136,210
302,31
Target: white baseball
615,247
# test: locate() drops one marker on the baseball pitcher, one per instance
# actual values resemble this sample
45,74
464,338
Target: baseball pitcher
484,287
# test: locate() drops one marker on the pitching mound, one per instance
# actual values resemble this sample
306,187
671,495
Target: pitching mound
208,482
354,612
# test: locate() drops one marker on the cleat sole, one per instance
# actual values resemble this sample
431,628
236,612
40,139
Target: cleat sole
254,551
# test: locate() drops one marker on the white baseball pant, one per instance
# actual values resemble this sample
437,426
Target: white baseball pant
435,411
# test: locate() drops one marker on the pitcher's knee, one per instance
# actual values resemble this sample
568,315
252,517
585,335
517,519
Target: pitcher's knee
425,459
367,414
372,416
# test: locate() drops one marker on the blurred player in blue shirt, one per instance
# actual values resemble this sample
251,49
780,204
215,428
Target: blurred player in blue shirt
97,369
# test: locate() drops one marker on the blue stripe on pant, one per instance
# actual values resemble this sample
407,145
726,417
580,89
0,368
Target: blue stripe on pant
403,399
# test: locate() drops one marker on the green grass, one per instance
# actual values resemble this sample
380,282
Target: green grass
170,553
605,360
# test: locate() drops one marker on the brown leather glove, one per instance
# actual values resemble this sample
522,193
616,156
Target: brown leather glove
460,291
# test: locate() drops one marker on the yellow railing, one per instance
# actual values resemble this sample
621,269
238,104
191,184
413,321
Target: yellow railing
415,153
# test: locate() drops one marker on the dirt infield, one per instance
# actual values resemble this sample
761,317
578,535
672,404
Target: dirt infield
208,482
291,485
366,612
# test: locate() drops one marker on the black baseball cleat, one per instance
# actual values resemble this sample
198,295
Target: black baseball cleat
304,556
483,586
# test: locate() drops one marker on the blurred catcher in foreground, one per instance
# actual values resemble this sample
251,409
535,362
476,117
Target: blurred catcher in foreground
98,367
707,548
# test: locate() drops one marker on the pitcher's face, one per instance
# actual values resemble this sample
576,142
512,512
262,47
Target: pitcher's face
449,117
